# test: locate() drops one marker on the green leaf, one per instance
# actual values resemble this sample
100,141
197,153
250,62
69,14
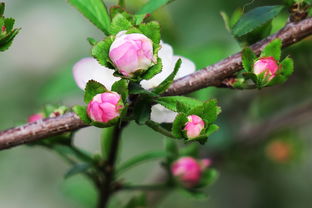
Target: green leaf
272,49
250,75
255,18
237,14
226,20
100,51
81,111
136,160
152,5
121,87
137,89
209,176
248,58
164,85
120,23
95,11
210,111
151,30
2,7
178,125
79,168
92,89
106,141
6,42
212,129
9,23
151,72
142,110
170,102
91,41
287,67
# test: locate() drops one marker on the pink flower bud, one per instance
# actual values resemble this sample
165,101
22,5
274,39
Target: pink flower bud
131,53
105,107
35,117
205,163
267,65
194,126
187,170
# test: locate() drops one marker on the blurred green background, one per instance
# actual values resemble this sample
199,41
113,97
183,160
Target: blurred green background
37,70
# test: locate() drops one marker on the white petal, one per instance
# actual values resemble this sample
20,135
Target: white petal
161,114
187,66
89,68
166,55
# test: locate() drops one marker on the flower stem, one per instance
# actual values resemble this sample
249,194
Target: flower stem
105,186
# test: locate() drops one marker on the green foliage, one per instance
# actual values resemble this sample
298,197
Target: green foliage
136,160
76,169
255,19
137,202
81,111
95,11
248,58
91,41
152,71
287,67
152,5
171,102
142,110
273,49
7,33
121,87
164,85
151,30
120,23
178,124
100,51
137,89
92,89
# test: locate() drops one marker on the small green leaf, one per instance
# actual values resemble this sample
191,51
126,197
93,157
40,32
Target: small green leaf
237,14
248,58
95,11
170,102
250,75
92,89
164,85
121,87
81,111
152,5
178,125
151,72
2,7
209,176
287,67
120,23
91,41
212,129
6,42
255,18
100,51
9,23
142,110
79,168
151,30
272,49
226,20
210,111
136,160
137,89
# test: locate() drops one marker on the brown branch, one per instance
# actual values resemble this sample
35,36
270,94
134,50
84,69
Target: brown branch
209,76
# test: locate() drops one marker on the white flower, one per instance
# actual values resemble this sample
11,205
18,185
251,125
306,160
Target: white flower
88,68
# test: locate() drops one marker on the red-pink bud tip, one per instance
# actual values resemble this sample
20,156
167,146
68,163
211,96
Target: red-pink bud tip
194,126
268,65
35,117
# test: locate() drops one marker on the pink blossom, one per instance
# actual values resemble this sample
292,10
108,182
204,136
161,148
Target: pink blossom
35,117
194,126
267,65
105,107
188,170
131,52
